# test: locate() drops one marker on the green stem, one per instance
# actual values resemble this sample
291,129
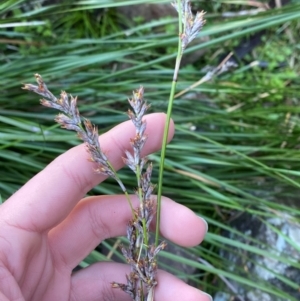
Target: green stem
167,125
140,192
122,187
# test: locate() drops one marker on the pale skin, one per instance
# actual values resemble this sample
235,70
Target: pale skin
48,226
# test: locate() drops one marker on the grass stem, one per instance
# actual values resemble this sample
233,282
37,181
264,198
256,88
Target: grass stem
167,125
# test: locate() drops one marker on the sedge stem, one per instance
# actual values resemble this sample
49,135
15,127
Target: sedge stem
140,193
167,125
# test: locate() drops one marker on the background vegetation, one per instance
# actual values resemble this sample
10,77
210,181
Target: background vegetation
235,152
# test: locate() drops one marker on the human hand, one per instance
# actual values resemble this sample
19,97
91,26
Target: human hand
47,228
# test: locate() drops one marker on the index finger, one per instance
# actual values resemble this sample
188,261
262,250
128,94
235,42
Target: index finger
49,196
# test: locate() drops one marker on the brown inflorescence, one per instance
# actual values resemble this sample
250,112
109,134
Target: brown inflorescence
140,254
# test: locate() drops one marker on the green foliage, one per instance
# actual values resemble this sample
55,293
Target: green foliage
236,145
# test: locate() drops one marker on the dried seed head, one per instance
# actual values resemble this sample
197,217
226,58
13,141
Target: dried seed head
191,25
139,108
70,119
41,89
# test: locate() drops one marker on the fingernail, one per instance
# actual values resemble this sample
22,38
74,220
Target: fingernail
205,222
209,296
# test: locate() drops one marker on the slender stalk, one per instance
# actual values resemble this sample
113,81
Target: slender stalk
140,194
167,125
119,181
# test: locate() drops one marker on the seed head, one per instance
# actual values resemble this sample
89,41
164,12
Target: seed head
191,25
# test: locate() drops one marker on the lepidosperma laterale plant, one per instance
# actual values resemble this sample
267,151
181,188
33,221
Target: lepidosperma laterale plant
140,253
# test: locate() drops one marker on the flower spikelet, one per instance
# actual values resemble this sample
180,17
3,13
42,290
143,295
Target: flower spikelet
140,254
139,106
143,267
70,119
191,24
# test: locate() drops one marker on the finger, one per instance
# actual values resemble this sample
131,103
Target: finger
94,283
101,217
3,298
48,197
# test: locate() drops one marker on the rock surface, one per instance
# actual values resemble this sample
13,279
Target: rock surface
277,237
